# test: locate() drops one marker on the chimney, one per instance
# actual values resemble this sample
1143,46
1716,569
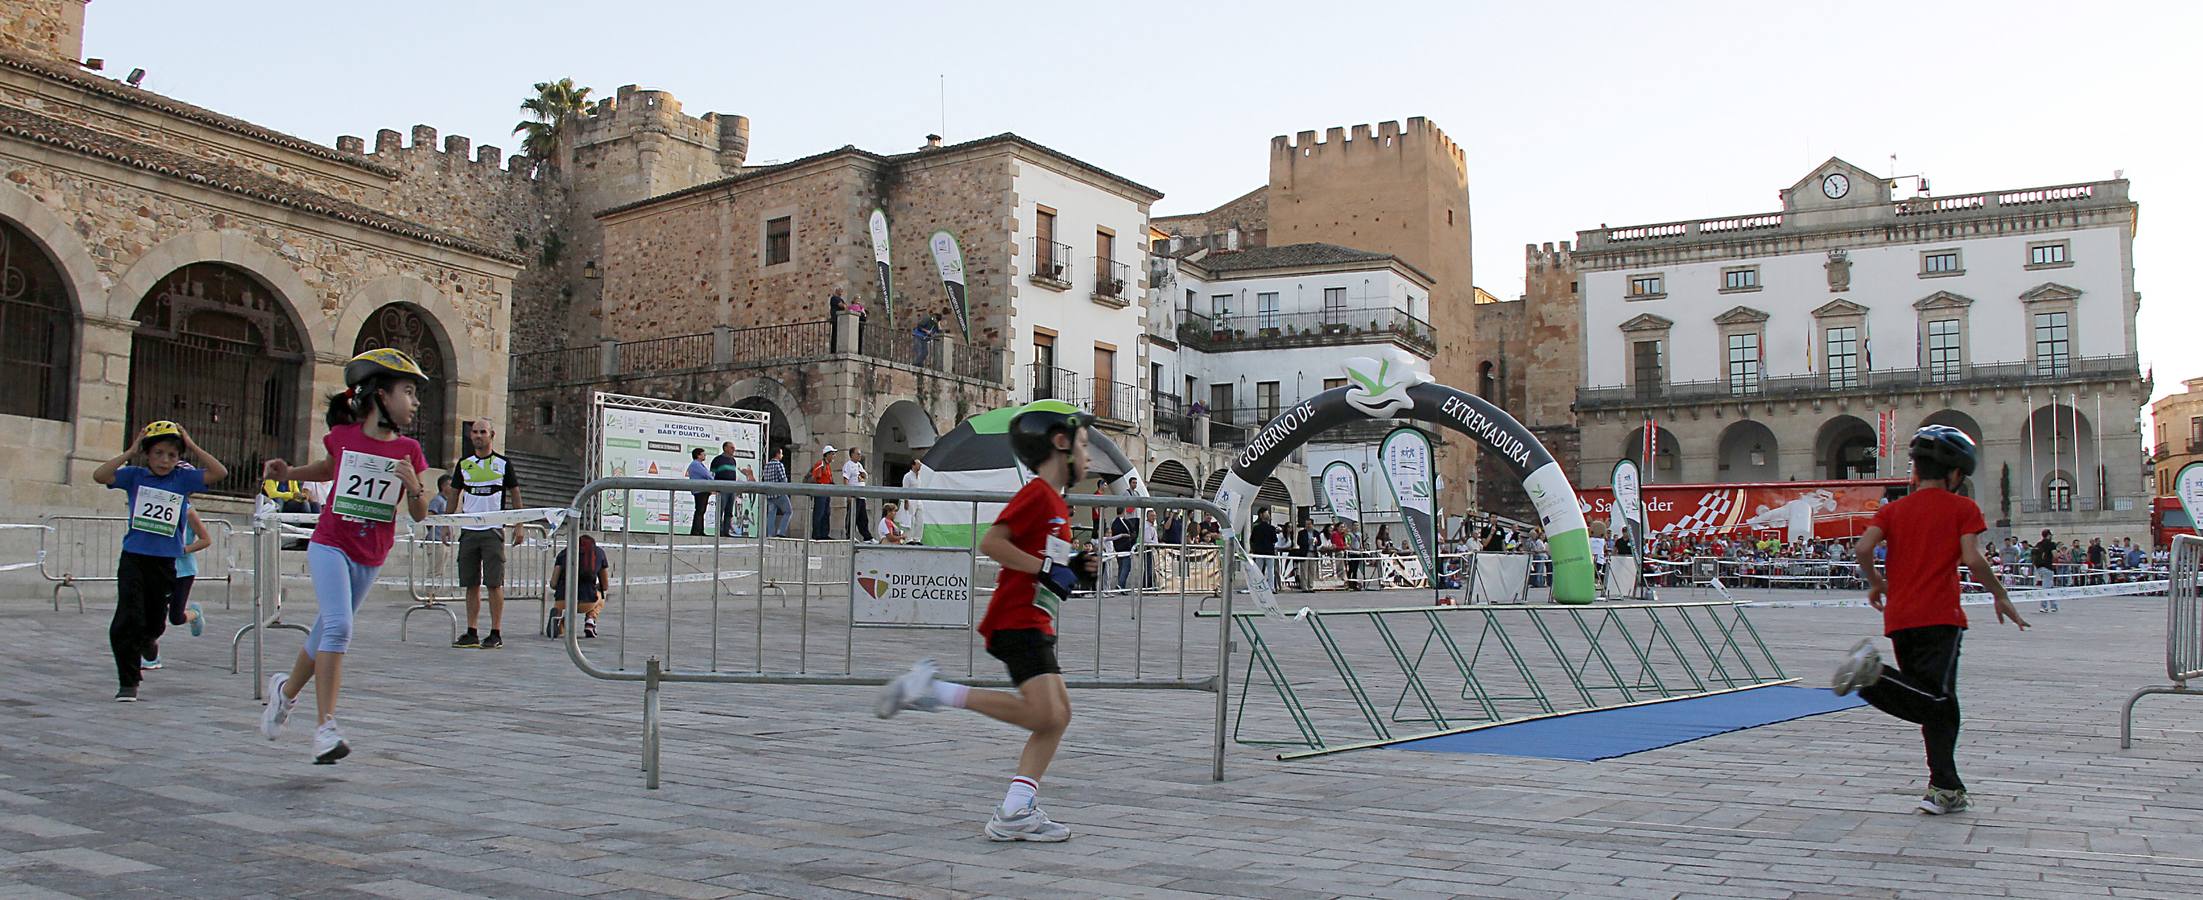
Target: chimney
933,142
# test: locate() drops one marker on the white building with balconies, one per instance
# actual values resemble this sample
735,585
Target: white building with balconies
1769,347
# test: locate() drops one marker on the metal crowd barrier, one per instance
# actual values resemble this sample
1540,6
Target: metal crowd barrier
432,571
75,550
2183,631
717,629
1460,668
268,532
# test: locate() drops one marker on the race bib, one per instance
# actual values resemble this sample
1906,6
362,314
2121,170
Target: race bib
156,511
1058,551
367,487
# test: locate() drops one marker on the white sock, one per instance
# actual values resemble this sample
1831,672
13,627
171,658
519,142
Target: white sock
950,693
1024,792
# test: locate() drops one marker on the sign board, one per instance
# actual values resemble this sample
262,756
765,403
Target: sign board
1791,509
646,438
908,586
1501,578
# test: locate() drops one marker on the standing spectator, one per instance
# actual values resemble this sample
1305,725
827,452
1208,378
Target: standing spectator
822,508
921,339
912,530
483,482
1174,528
1306,541
437,506
834,307
2096,560
725,467
1124,534
697,471
2044,557
1263,544
1147,540
853,475
778,508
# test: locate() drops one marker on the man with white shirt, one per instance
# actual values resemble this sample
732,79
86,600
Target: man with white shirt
909,518
852,474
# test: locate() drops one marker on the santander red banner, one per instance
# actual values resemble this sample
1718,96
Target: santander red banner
1796,510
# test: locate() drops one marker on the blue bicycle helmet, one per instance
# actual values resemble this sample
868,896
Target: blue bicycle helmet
1945,446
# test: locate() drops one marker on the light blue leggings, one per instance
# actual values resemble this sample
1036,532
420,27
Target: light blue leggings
339,585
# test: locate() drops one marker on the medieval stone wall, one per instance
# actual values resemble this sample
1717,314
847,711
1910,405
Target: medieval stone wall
48,29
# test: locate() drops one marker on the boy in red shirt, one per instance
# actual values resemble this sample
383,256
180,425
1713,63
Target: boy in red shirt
1930,532
1032,541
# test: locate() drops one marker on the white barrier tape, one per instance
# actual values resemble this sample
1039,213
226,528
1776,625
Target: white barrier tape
15,566
16,526
552,516
2130,589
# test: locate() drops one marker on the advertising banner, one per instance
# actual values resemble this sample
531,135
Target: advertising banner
900,585
648,443
1407,464
1342,485
2188,486
1628,508
1792,510
882,258
948,257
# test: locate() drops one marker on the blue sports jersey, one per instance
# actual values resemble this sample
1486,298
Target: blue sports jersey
147,520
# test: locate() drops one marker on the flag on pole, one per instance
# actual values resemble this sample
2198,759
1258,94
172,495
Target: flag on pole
2103,491
1810,362
2034,477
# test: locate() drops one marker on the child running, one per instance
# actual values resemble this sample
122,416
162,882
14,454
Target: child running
1929,532
1032,541
374,466
181,611
145,576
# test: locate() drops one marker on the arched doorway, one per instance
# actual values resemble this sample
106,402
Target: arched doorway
1170,478
2060,447
1277,496
1214,481
1746,453
1487,383
1670,453
777,436
903,434
1965,423
218,351
37,330
408,329
1844,449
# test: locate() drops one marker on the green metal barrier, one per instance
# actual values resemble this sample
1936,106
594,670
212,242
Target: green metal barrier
1597,656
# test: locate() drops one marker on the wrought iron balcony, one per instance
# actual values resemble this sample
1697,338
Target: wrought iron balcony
1333,327
1879,381
1111,282
1051,264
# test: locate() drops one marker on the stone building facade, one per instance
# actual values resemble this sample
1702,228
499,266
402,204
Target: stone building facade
174,262
1529,360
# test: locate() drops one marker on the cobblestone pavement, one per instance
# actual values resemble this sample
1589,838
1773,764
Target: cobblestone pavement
508,773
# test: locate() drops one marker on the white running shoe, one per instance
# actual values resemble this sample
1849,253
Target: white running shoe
1861,668
1029,824
329,745
278,710
910,690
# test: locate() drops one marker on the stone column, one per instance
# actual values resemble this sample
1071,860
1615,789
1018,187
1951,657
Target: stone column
845,332
722,345
103,397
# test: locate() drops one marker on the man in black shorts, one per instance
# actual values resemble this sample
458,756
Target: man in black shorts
483,482
1032,541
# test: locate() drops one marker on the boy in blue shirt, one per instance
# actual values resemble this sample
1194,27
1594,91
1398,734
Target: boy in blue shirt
145,576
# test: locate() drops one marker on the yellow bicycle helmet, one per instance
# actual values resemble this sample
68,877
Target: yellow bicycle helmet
378,362
157,431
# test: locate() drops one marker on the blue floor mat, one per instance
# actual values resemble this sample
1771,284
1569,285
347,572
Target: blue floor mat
1606,734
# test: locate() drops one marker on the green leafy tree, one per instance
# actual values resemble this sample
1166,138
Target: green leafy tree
550,111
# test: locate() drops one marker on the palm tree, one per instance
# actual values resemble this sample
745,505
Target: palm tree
554,104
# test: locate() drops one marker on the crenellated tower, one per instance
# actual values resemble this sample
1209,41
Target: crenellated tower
1395,189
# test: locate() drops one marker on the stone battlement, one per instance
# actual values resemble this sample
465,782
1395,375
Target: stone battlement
391,149
632,110
1540,257
1364,144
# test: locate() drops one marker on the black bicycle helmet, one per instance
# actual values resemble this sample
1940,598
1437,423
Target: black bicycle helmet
1033,429
1945,446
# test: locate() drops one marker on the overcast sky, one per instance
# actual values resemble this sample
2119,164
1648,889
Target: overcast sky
1571,114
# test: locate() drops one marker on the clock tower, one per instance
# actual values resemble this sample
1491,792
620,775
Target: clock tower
1834,190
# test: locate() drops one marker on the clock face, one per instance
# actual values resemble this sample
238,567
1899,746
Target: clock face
1835,185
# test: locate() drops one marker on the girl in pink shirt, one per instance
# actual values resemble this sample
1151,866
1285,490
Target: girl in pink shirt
373,467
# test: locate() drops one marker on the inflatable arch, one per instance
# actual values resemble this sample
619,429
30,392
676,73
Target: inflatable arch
1391,389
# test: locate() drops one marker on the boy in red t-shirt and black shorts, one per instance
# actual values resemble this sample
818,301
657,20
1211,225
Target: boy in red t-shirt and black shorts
1930,532
1032,541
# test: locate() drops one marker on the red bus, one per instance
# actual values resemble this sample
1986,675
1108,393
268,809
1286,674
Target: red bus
2168,519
